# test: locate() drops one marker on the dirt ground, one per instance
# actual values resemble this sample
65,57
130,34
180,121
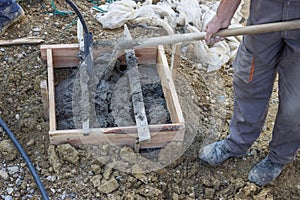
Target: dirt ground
76,173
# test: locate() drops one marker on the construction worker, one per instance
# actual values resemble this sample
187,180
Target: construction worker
259,59
10,12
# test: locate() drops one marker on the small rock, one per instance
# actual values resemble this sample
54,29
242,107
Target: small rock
175,196
12,170
18,58
149,191
136,171
38,127
128,155
109,186
4,175
53,190
103,159
51,178
96,169
9,190
35,33
8,150
8,197
104,149
107,172
96,180
30,142
53,159
37,29
18,182
68,153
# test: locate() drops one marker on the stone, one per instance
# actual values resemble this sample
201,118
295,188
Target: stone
8,150
109,186
12,170
149,191
127,154
175,196
4,175
8,197
53,159
96,180
68,153
9,190
136,172
96,169
107,172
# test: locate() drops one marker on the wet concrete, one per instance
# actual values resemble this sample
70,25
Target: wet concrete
111,100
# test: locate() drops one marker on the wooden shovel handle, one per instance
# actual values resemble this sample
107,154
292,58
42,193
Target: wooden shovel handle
261,28
188,37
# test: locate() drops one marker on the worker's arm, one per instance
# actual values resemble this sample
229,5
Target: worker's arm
222,19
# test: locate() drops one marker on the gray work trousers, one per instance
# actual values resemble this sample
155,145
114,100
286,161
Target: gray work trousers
259,59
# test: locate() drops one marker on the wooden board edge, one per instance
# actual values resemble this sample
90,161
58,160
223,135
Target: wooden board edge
168,84
52,114
65,55
98,136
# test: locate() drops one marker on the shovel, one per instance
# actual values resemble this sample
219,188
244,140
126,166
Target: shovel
188,37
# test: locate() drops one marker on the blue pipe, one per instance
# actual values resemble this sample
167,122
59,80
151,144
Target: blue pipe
27,160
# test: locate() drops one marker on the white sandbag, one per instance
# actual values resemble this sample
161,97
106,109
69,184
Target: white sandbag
167,14
198,52
119,13
156,15
191,12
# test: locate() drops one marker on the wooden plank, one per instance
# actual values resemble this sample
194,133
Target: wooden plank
125,129
137,97
65,55
18,41
168,87
66,49
160,135
52,115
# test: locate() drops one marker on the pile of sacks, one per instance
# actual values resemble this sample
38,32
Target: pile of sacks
193,15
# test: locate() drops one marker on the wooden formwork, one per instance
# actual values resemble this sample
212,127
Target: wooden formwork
65,55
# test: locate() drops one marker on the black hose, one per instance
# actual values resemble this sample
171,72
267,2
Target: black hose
87,35
88,40
76,10
27,160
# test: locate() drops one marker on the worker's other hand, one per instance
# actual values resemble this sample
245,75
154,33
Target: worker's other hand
211,28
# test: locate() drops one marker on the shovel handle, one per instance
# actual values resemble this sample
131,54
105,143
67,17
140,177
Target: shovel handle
188,37
261,28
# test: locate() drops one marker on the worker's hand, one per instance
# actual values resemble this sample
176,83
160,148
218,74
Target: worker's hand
212,27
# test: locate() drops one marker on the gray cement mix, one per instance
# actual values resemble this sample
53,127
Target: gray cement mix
111,100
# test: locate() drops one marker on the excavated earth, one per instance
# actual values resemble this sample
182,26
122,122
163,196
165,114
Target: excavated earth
107,171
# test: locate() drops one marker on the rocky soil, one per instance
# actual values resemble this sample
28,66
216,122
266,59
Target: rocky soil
110,172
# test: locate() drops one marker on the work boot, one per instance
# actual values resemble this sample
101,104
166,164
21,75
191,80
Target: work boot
7,18
216,153
264,172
